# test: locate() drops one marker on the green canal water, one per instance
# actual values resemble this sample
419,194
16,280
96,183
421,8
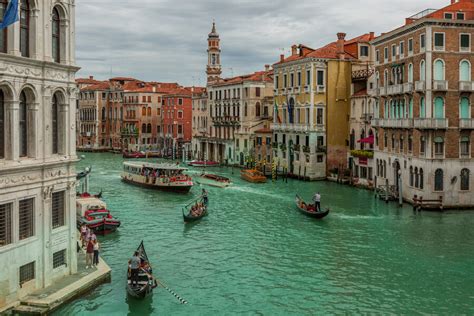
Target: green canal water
256,255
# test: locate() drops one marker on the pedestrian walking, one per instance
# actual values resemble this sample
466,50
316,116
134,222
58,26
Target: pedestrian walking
317,202
89,253
96,253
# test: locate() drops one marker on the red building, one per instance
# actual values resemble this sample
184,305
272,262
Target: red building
177,112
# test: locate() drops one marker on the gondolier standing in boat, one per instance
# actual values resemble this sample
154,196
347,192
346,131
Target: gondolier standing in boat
134,267
205,199
317,202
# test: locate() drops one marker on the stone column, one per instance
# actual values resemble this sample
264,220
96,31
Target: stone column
12,146
46,237
63,129
34,136
35,42
71,222
14,39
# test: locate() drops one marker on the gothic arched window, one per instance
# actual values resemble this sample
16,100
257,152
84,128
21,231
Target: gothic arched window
23,128
55,124
465,173
56,36
25,28
439,180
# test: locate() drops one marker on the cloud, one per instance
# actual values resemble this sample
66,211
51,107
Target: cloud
165,40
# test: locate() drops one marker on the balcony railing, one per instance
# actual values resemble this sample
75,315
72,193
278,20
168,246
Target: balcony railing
382,91
395,89
419,86
440,85
408,87
320,89
466,123
465,86
393,123
431,123
296,127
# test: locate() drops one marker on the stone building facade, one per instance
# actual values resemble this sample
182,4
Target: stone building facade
425,95
37,149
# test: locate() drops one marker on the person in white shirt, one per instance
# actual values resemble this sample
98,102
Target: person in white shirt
317,202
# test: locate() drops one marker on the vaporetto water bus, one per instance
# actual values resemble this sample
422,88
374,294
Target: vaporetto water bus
161,176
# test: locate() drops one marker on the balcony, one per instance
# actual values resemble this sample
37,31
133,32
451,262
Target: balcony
440,85
419,86
393,123
431,123
306,89
382,91
465,86
395,89
320,89
466,123
408,87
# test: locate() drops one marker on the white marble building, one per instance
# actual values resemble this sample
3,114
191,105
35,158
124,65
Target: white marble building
37,148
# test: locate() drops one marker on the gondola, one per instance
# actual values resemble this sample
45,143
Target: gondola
84,173
188,217
146,281
308,210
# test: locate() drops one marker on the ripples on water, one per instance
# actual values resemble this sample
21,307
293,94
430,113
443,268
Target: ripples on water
255,254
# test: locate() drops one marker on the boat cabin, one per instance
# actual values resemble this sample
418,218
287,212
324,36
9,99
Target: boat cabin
84,204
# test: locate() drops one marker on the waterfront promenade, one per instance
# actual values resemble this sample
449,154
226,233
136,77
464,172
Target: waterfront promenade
255,254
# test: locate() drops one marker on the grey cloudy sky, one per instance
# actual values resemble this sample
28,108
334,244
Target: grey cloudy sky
166,40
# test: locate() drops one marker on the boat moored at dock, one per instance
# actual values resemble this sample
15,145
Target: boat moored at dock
93,213
160,176
203,164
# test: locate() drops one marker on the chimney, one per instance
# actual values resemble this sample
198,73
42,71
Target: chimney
372,35
282,58
91,77
267,68
294,50
340,45
154,88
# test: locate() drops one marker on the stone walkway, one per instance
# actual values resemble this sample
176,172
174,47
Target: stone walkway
45,300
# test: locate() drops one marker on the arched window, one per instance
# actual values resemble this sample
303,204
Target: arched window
417,181
245,109
439,146
55,125
257,109
143,111
371,134
25,28
410,73
148,129
23,135
385,169
104,114
422,71
465,179
352,140
411,176
422,108
464,71
439,70
421,179
143,128
464,111
149,111
439,180
3,33
439,108
2,125
362,136
56,36
410,108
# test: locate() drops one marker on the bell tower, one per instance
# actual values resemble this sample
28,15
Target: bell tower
214,69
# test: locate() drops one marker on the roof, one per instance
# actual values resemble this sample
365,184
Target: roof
161,166
87,81
259,76
123,79
186,92
97,87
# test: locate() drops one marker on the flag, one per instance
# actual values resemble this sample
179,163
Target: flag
277,114
11,14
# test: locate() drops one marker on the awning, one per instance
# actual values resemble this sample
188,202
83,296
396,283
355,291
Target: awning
368,140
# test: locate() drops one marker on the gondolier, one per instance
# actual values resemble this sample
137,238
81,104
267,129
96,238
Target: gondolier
317,202
205,199
134,267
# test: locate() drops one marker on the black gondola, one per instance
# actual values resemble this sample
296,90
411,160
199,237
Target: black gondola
309,209
84,173
146,282
188,217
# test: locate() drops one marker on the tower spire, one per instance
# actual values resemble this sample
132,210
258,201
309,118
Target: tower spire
214,69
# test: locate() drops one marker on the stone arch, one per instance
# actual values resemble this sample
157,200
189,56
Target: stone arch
60,37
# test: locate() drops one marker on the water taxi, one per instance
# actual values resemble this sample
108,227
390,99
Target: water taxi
162,176
93,212
203,164
253,175
213,180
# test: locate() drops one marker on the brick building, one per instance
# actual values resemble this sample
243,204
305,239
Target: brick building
424,96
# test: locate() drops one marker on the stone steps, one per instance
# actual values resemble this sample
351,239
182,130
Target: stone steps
30,310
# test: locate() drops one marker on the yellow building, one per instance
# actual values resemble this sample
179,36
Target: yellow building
312,106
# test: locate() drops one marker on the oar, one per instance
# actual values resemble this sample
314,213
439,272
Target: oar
182,300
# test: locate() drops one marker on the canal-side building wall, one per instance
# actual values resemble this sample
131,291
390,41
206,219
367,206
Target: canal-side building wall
425,129
37,150
201,120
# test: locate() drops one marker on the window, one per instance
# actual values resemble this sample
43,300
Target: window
459,16
56,35
320,77
422,145
26,219
422,108
27,272
180,114
308,77
299,79
402,48
465,179
394,51
410,143
25,28
2,124
257,109
5,224
465,146
411,176
439,108
320,158
410,46
143,111
180,129
448,15
439,185
439,146
377,56
23,135
464,109
422,70
55,124
59,259
439,70
421,179
292,80
319,116
465,71
180,101
148,111
439,41
276,82
422,42
464,42
4,32
57,209
410,73
385,54
285,81
364,51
